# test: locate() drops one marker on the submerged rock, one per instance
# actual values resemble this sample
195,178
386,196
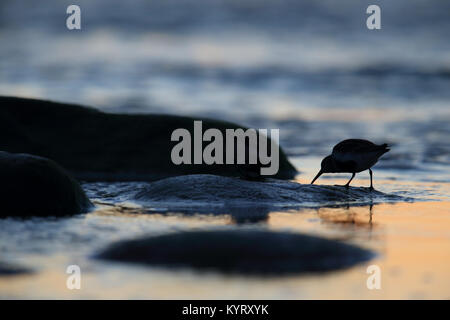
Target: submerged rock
215,192
239,251
7,269
96,146
35,186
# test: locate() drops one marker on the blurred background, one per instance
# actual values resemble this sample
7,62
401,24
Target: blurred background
310,68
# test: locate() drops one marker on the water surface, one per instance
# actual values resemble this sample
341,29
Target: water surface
309,68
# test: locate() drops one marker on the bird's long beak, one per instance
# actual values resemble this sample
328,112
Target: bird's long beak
317,176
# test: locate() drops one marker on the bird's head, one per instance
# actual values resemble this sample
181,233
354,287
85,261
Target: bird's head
327,165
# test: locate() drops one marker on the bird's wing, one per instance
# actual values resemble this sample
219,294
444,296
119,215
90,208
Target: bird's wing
359,150
363,152
354,146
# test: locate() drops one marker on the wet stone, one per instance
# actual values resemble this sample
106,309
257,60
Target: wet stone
36,186
244,251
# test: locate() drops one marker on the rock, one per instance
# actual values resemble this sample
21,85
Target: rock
35,186
7,269
239,197
244,251
97,146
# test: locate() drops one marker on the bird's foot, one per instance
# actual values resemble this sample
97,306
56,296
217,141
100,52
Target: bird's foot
371,188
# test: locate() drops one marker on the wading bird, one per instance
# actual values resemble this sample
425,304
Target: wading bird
352,156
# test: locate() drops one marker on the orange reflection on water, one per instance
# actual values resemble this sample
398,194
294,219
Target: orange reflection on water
412,241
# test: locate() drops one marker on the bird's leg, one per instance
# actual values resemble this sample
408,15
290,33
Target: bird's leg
371,184
348,183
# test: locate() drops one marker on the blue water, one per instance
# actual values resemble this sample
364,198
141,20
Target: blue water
310,68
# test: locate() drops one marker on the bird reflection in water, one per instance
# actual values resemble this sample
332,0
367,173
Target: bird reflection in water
349,217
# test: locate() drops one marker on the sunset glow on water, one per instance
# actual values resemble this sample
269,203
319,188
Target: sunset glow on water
310,69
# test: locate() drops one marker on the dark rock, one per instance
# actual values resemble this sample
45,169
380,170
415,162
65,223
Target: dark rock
7,269
242,251
35,186
194,191
96,146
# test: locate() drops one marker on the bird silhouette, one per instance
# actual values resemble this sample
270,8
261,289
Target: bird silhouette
352,156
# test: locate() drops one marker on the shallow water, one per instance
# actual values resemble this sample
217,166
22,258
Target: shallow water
310,69
411,240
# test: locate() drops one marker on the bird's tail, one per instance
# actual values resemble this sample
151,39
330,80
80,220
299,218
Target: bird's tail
384,148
